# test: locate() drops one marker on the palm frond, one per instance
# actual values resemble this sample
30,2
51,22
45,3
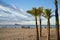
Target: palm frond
32,12
47,13
44,16
52,16
39,11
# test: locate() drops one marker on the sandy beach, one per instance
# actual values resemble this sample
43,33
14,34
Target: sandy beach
24,34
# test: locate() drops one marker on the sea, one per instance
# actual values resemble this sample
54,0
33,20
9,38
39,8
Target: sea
25,26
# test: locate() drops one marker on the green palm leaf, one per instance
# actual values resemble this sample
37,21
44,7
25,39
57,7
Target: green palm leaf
39,11
47,13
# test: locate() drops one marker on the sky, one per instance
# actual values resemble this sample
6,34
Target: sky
14,11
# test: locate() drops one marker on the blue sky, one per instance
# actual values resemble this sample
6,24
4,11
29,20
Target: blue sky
21,6
28,4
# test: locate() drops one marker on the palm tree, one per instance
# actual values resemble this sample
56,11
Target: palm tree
47,14
34,13
40,11
57,19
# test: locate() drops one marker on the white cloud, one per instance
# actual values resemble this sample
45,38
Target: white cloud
10,15
14,12
14,6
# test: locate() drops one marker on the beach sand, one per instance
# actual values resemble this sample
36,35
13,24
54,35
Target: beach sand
24,34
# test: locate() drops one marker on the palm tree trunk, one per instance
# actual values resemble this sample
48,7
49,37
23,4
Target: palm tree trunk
37,37
57,20
40,26
48,29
